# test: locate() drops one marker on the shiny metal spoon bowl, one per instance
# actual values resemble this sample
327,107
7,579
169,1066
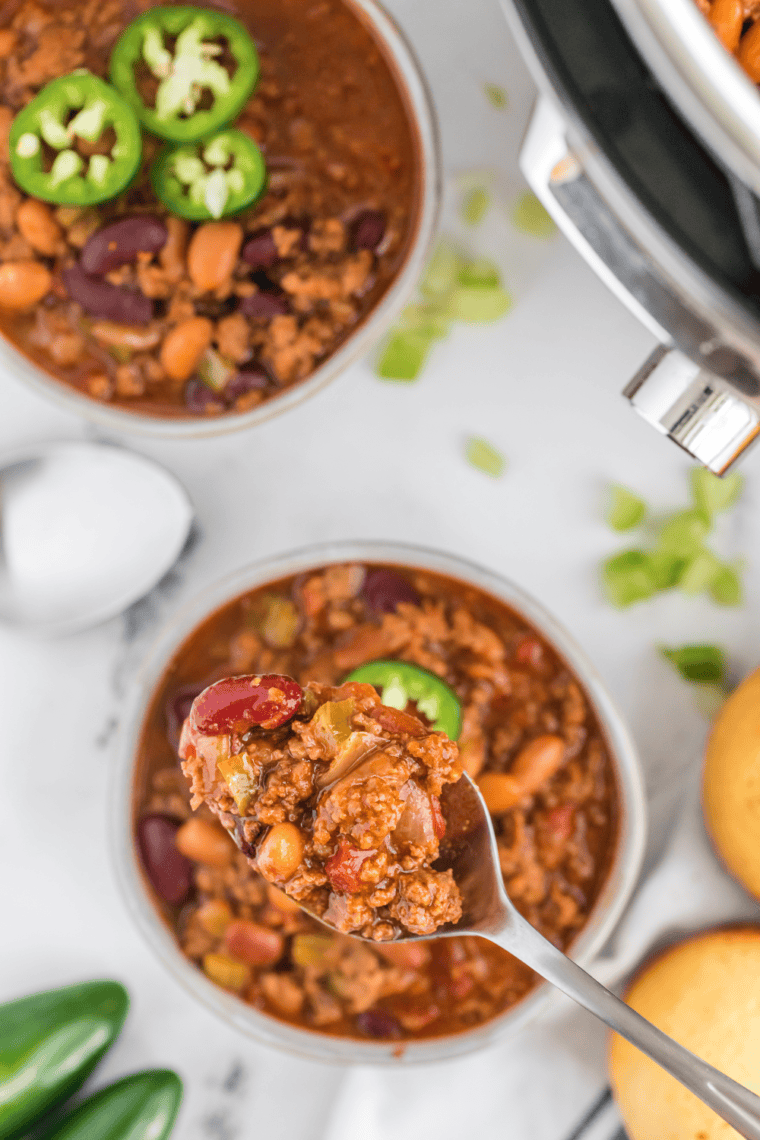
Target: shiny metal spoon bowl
469,849
85,530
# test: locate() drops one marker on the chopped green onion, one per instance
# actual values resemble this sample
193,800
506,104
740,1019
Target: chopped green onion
699,573
215,371
481,273
666,569
532,218
483,455
442,271
712,493
625,510
726,587
477,305
683,533
426,318
496,96
702,663
627,578
403,356
475,205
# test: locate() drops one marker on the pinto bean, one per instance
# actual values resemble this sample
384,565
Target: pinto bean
212,254
727,18
205,842
37,224
184,346
280,852
174,253
537,761
120,242
23,284
254,944
102,299
749,52
124,336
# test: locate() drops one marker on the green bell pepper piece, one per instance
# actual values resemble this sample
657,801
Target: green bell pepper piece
399,682
211,179
50,1043
189,71
142,1106
43,126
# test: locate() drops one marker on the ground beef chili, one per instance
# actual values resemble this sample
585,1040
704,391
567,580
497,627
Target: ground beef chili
332,795
556,821
269,294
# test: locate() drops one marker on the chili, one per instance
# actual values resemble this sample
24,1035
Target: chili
186,74
46,123
401,683
219,176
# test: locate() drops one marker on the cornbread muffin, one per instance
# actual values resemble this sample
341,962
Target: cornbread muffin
705,993
731,788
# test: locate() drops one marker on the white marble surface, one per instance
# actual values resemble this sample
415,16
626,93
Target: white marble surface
368,459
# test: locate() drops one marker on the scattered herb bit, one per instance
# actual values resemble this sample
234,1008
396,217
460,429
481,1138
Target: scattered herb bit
426,319
531,217
713,493
726,587
496,96
705,664
475,205
483,455
699,573
478,305
627,578
403,356
683,533
442,270
482,273
625,510
666,569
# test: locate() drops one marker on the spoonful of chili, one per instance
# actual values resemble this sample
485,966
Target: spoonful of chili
361,813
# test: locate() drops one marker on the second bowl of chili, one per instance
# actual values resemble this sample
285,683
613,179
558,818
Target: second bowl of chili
231,317
571,846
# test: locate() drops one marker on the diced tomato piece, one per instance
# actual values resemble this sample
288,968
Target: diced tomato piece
235,704
344,867
530,652
439,823
397,721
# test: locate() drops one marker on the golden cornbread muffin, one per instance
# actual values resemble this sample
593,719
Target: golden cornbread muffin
704,993
731,787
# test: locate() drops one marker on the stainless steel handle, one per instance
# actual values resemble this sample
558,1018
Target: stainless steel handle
735,1104
704,413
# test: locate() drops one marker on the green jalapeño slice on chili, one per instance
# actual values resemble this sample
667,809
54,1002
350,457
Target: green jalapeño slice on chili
399,682
185,50
211,179
45,158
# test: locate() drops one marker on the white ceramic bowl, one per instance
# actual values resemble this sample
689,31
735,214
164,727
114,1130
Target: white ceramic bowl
309,1043
414,89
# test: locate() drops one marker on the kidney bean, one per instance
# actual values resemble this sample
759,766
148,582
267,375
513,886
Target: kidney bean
343,869
254,380
264,305
111,302
252,943
234,704
166,867
200,399
120,243
396,721
261,250
178,709
378,1023
384,590
368,229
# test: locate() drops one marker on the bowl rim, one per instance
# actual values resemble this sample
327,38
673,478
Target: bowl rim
407,71
311,1044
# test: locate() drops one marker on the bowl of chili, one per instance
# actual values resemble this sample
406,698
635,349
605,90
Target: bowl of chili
477,657
274,169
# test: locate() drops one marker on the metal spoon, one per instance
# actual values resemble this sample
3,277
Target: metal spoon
85,530
470,850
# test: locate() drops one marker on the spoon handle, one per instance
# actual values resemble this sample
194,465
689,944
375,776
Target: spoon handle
736,1105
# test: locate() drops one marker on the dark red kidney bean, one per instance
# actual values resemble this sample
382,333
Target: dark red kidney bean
178,709
368,229
378,1023
166,867
236,703
254,380
261,250
264,305
111,302
343,869
384,590
121,242
199,398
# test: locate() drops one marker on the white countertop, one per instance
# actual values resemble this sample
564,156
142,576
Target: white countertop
375,460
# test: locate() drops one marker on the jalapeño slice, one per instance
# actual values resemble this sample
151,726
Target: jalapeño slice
400,682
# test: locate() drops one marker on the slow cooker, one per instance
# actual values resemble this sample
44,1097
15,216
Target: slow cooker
644,146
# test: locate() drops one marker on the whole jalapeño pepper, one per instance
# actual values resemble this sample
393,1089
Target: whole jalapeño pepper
142,1106
192,72
50,1043
43,142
